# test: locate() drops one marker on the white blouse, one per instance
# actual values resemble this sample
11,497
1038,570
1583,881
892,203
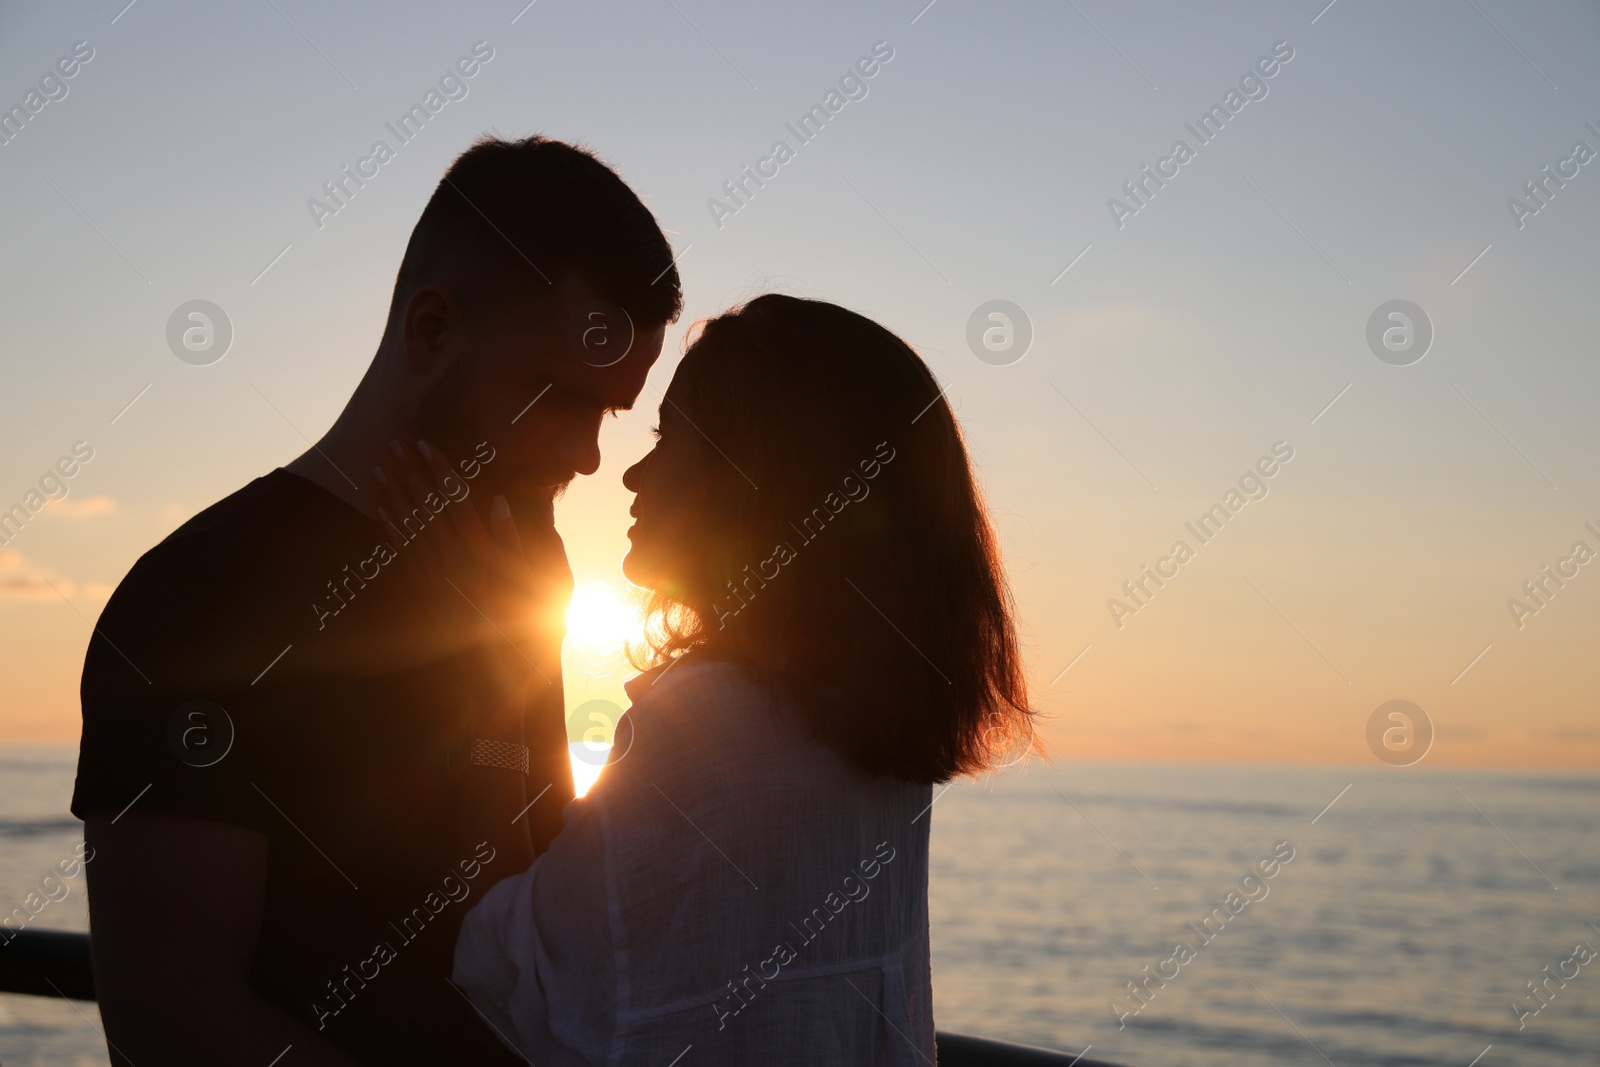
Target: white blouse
729,892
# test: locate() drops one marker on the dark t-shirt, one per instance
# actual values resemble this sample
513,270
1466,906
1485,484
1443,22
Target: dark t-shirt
272,665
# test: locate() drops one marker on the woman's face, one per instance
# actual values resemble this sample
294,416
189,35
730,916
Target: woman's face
669,507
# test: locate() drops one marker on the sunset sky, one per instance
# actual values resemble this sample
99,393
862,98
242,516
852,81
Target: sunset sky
1179,335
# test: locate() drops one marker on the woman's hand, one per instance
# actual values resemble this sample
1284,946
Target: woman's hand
519,593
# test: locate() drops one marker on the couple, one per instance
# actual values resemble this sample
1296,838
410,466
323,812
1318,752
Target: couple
324,767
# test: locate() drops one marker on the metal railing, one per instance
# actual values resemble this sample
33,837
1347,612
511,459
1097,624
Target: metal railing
46,963
51,963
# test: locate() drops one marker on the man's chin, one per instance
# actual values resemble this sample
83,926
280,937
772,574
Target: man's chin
535,487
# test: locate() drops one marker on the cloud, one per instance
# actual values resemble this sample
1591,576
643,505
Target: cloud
21,580
68,508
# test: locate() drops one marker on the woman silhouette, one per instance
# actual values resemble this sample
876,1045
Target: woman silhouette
831,636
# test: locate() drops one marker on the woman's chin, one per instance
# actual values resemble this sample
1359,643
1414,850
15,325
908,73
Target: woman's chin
635,570
648,572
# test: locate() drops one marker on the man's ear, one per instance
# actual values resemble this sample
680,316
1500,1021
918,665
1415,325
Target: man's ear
432,316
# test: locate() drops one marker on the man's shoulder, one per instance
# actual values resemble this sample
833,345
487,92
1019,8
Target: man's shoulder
199,618
253,514
235,540
212,589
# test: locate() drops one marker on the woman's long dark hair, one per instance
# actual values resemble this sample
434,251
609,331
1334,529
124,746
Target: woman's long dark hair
846,555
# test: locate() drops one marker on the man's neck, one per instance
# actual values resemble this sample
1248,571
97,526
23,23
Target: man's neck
342,461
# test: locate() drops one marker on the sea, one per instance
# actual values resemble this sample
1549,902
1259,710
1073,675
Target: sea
1159,915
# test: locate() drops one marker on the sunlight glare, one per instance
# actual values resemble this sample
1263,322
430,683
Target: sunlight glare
584,772
600,618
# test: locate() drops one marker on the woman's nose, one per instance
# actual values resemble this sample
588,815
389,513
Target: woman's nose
630,477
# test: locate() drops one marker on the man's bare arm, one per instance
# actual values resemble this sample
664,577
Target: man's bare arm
174,911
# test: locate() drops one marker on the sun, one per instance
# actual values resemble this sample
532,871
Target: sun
600,618
601,623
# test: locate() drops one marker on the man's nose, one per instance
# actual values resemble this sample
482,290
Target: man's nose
581,451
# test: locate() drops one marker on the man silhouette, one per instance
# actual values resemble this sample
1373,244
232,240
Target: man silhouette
286,777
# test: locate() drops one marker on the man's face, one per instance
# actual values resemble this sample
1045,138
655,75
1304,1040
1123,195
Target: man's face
534,382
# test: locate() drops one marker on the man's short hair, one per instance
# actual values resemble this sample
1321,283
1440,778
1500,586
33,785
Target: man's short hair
514,216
